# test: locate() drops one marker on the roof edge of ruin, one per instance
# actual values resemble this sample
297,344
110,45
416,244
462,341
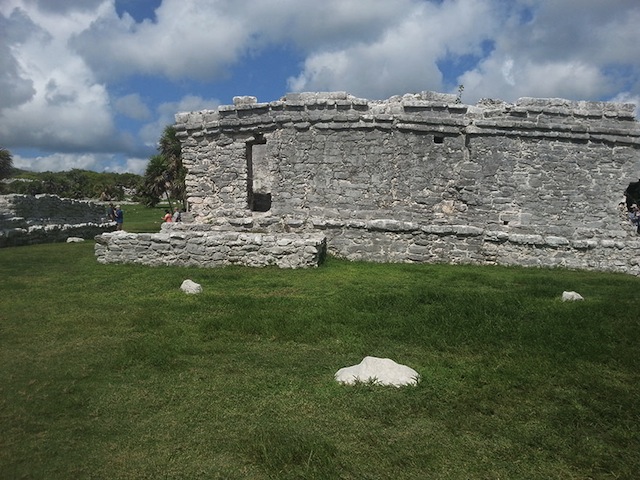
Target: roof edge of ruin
397,104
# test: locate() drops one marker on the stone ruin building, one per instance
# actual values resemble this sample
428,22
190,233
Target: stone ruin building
31,219
414,178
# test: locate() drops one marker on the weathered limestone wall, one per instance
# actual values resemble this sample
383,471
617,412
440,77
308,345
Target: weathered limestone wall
202,247
421,177
417,178
27,219
340,157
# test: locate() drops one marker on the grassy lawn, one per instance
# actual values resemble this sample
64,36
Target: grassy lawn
138,218
110,371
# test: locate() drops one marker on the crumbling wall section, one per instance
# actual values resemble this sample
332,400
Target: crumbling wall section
203,247
544,163
420,177
423,178
28,219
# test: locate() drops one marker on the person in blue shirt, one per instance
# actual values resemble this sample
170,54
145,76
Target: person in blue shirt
119,214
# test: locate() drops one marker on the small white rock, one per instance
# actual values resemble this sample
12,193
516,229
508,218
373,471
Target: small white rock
191,287
381,371
571,297
75,240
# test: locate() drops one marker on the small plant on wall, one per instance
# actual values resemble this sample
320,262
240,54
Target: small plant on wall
459,96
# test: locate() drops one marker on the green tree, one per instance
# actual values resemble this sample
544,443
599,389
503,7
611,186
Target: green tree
165,174
107,190
78,184
6,164
55,183
156,183
170,148
75,183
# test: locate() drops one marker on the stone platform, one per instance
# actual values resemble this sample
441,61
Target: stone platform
212,249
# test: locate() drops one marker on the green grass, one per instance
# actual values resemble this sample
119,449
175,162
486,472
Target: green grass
110,371
138,218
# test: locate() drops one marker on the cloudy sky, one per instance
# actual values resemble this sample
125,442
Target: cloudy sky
92,83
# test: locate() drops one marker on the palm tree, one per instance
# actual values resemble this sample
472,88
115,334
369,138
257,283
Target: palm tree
156,182
170,148
165,174
6,163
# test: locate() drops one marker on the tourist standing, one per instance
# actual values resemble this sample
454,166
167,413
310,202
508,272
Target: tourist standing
111,213
167,216
119,216
177,215
634,217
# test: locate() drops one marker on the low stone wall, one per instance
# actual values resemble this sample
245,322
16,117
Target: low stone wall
388,240
211,249
27,219
49,210
463,244
13,237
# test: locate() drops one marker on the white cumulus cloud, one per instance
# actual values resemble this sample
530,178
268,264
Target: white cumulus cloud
67,108
78,78
165,115
133,106
404,58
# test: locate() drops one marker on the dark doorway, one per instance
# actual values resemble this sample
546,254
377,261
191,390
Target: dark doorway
258,194
632,194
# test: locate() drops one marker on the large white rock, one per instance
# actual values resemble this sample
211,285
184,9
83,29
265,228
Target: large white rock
381,371
571,296
191,287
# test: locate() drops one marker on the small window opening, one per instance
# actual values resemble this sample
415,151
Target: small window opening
261,202
438,139
505,222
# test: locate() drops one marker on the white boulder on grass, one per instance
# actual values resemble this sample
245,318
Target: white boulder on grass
571,297
191,287
381,371
75,240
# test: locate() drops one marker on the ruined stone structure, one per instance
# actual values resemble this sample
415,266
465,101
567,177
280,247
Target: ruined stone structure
416,178
197,247
28,219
